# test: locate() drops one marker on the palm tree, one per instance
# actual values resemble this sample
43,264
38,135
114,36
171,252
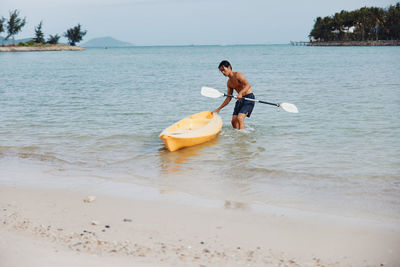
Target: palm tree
75,35
316,32
393,22
39,36
366,23
2,20
14,24
53,39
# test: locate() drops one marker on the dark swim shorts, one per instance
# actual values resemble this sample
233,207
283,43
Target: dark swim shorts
244,106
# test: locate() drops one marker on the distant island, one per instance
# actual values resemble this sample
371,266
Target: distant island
366,26
28,45
14,25
106,42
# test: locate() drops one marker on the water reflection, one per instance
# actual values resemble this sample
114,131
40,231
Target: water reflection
183,159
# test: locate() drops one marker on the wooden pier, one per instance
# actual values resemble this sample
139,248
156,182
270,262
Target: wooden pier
300,43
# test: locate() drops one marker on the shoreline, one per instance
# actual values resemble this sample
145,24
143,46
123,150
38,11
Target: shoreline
356,43
13,173
135,232
57,47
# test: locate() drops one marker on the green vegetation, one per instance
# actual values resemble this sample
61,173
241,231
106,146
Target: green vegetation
367,23
2,20
15,24
75,34
39,36
53,39
32,43
29,43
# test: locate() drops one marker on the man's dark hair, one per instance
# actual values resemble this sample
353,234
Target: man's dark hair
225,63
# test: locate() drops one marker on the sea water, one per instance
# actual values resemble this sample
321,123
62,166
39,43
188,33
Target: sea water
93,117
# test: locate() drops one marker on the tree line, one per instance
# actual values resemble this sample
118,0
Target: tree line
15,23
367,23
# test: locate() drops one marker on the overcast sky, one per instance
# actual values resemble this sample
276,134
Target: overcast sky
182,22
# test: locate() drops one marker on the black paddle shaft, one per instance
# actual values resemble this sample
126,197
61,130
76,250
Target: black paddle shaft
255,100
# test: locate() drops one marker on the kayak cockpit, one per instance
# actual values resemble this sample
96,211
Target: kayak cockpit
192,130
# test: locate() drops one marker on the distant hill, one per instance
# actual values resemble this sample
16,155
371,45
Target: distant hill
105,42
10,41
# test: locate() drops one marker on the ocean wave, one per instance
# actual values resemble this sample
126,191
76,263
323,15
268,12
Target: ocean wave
6,149
30,152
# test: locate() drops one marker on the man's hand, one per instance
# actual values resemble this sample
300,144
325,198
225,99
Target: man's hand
216,111
239,96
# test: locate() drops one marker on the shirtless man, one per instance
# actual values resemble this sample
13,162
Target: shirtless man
239,83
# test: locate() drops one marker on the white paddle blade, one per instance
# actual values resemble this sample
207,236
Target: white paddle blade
210,92
289,107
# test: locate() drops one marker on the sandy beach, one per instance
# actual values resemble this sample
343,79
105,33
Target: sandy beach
86,181
56,47
50,227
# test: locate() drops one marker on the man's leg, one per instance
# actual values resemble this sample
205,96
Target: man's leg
240,119
235,122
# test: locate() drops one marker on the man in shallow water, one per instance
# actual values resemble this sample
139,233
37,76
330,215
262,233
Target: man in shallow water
239,83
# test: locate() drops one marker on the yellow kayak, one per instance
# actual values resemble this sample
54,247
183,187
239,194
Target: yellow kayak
195,129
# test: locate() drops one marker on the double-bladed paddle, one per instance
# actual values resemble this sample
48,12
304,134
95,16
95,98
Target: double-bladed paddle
214,93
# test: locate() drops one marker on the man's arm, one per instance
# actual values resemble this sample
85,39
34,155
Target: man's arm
226,101
246,85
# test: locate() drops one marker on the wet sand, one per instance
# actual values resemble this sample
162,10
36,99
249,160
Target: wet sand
47,227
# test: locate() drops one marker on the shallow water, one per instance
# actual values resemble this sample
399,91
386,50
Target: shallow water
98,114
